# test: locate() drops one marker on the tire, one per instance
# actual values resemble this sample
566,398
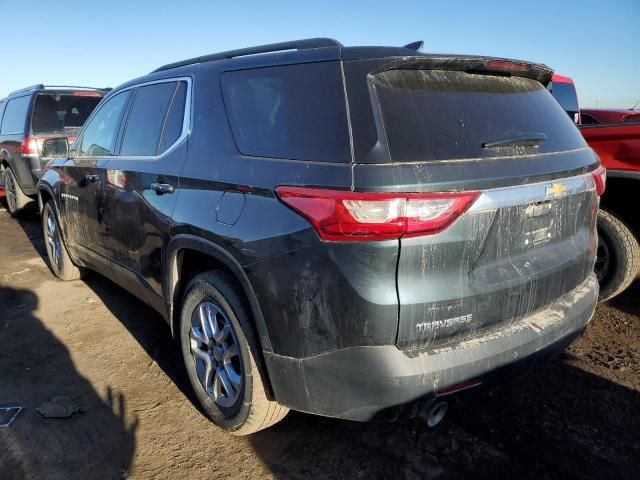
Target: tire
243,408
60,262
16,199
618,259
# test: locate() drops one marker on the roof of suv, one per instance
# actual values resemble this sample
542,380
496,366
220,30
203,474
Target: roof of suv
304,46
324,49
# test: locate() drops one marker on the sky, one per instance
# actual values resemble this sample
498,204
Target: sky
107,43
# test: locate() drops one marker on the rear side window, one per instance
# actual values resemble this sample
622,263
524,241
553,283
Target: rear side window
15,115
565,94
173,125
53,113
431,115
295,112
99,135
587,119
144,126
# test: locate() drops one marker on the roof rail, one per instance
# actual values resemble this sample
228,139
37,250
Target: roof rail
40,86
74,87
273,47
28,89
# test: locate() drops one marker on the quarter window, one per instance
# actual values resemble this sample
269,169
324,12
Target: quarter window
99,137
295,112
144,126
175,118
15,115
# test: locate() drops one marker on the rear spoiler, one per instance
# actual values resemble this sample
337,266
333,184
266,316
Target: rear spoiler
472,64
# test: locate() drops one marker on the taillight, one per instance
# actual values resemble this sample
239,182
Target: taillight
343,216
600,177
29,146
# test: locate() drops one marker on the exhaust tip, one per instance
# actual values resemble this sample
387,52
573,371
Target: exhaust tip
435,414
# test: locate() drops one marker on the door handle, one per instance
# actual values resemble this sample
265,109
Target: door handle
162,188
92,178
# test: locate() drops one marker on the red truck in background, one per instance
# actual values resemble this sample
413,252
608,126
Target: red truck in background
615,137
564,91
618,259
593,116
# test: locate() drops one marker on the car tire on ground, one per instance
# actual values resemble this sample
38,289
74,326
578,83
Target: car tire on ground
220,351
618,258
60,262
16,199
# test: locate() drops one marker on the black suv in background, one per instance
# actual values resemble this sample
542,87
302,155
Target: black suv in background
37,124
354,232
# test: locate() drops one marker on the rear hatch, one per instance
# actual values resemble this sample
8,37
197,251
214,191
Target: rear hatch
452,124
57,117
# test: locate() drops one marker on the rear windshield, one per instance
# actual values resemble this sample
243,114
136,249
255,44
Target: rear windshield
565,94
431,115
295,112
61,112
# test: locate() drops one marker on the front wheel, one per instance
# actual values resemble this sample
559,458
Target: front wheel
618,256
220,351
59,261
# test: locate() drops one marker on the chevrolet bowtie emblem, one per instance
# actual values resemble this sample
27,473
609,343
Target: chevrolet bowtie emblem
556,190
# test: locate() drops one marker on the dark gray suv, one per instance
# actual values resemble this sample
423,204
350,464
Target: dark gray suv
354,232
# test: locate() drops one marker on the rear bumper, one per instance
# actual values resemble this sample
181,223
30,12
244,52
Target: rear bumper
359,382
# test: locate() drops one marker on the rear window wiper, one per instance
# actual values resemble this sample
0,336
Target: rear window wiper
524,140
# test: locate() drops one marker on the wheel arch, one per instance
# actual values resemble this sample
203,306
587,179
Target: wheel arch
183,243
45,193
6,159
176,279
618,198
5,155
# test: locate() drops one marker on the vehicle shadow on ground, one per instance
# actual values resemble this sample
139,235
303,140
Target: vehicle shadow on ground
29,220
629,301
145,324
557,422
148,328
96,442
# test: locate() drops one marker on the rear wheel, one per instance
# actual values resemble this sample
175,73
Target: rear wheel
17,200
618,257
220,352
59,261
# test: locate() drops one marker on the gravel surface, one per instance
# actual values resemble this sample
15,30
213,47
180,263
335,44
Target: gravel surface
111,358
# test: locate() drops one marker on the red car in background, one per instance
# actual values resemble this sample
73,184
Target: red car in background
616,140
595,116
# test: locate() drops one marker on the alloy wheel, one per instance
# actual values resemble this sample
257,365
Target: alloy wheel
53,239
10,191
216,354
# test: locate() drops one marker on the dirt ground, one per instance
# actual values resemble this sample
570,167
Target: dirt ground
576,417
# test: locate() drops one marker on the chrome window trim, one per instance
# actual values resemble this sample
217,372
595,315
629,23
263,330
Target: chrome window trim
186,121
